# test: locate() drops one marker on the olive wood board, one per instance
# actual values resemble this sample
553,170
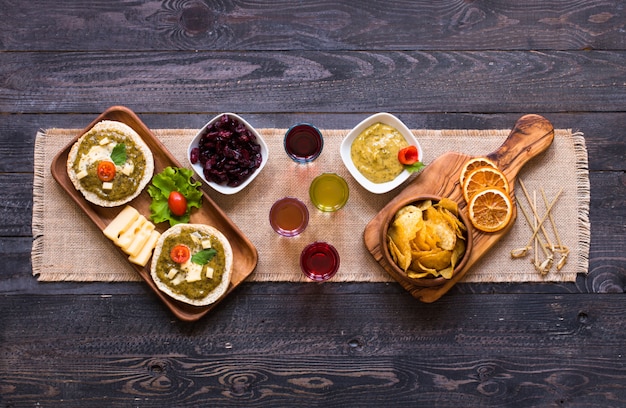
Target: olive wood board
531,135
245,255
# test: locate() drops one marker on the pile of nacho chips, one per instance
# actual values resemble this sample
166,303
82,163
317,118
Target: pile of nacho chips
427,239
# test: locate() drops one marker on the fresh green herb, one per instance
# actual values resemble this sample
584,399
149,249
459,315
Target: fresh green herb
173,179
118,155
412,168
203,256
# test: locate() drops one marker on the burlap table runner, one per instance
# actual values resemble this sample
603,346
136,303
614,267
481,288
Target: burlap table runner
68,247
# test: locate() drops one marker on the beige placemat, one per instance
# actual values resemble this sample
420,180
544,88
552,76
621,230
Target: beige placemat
68,247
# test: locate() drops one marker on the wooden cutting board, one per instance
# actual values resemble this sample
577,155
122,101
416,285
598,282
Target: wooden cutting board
244,252
531,135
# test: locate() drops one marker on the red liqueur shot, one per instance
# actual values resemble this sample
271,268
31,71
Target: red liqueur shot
319,261
303,143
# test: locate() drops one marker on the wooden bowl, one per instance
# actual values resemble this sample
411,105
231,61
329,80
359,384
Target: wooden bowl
398,272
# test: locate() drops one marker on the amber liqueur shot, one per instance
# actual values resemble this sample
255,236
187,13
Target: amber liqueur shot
303,143
319,261
289,216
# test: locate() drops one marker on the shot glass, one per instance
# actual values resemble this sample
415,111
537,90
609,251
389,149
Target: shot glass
329,192
319,261
303,143
289,216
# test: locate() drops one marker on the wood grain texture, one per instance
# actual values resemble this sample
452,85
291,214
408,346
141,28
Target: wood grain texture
244,253
246,353
530,136
332,25
451,64
313,81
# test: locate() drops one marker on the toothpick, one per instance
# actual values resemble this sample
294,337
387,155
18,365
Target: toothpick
521,252
534,210
564,251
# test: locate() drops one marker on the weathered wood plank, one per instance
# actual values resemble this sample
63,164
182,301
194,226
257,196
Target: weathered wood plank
314,81
331,25
16,206
537,350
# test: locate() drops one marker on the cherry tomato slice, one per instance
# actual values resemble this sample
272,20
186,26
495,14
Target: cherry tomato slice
408,155
106,170
177,203
180,253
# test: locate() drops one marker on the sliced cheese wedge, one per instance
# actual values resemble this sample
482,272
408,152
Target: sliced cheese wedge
140,239
121,223
144,255
127,236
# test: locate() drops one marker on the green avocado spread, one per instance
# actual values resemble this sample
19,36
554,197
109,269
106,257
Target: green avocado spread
91,151
175,275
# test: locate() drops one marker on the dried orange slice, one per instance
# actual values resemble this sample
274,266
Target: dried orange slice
473,164
490,210
482,178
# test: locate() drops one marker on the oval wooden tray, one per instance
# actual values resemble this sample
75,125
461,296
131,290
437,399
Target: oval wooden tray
531,135
245,255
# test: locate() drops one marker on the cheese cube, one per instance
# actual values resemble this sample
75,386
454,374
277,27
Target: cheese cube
127,236
206,243
140,239
104,140
177,280
128,168
194,271
81,174
209,272
107,185
146,252
121,223
173,272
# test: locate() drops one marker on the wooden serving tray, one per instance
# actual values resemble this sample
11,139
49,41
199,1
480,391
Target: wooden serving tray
531,135
244,253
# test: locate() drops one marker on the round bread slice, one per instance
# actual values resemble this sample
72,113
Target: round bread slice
109,129
162,256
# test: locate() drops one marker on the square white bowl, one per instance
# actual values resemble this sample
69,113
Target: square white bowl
346,144
197,167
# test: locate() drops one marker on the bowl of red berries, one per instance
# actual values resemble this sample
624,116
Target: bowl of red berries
227,153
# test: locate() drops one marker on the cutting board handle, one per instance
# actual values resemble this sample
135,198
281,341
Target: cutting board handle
531,135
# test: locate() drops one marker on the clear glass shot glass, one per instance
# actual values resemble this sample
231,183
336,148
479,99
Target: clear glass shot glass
289,216
319,261
303,143
329,192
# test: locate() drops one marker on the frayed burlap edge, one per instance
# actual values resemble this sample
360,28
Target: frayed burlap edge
584,197
37,219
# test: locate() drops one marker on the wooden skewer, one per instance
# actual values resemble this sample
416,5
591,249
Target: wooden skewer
536,219
564,251
534,209
536,230
521,252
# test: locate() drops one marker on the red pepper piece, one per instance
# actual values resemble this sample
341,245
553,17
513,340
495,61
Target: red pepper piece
408,155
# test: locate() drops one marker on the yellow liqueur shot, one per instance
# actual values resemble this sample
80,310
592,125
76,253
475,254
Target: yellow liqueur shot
329,192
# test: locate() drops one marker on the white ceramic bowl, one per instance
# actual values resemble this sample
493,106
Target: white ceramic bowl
387,119
197,167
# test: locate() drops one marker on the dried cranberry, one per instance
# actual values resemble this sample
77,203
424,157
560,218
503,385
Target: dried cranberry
195,153
228,152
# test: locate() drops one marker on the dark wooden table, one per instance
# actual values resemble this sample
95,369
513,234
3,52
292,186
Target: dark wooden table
449,64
